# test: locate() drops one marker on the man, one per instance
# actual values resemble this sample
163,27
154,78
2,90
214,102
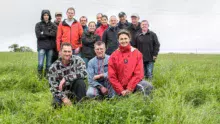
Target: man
70,31
135,27
123,23
99,31
99,18
147,43
66,77
110,36
45,32
98,73
83,21
58,16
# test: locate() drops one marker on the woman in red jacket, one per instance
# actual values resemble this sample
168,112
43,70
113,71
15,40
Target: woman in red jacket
125,68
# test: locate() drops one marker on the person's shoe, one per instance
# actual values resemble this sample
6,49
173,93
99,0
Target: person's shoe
40,74
46,73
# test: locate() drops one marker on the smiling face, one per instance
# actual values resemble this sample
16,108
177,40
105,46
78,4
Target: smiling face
104,21
124,40
91,27
100,50
70,13
113,21
83,21
66,53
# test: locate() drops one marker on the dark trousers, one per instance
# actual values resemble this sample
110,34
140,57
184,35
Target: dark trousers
76,89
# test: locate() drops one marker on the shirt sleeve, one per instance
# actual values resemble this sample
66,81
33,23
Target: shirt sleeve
54,83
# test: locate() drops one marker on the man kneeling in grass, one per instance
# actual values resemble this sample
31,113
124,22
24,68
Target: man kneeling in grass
66,77
98,73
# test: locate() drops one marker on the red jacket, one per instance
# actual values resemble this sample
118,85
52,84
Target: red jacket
72,34
125,69
99,31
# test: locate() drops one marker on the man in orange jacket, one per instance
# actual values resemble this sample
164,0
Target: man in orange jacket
70,30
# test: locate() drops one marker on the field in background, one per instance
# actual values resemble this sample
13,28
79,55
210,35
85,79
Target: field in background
186,91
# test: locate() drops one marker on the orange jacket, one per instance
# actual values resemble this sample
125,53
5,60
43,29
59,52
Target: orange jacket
72,34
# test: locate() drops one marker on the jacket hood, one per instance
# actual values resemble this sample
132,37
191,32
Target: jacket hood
45,12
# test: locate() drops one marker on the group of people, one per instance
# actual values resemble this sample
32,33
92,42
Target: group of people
114,57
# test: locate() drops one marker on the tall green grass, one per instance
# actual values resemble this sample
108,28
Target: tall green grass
186,92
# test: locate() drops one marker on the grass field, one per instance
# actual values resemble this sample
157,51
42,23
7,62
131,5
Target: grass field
187,91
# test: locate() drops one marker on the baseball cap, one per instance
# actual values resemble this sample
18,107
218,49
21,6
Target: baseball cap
58,13
121,14
135,15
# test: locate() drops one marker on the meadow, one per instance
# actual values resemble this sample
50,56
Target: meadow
186,91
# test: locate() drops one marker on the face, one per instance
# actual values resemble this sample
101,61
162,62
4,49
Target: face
134,20
113,21
83,21
59,18
92,27
66,53
99,18
123,19
104,21
70,14
144,26
46,17
100,50
124,40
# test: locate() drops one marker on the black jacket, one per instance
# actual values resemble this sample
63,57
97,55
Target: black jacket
134,30
46,33
148,45
88,41
124,25
110,39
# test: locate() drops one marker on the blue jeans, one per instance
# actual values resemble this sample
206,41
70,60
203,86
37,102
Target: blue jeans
41,55
148,69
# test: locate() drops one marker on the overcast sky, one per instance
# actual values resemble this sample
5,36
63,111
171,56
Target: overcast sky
181,25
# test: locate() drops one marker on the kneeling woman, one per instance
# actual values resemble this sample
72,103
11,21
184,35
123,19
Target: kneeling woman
125,68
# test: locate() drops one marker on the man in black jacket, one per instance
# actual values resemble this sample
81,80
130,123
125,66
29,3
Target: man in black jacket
147,43
135,27
123,23
45,32
110,36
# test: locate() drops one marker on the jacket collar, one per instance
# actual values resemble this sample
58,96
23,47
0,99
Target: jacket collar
65,24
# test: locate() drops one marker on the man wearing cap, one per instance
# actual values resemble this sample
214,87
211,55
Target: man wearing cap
135,27
70,30
83,20
123,23
58,16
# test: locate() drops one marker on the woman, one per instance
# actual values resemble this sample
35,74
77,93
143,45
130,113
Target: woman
125,68
88,41
103,27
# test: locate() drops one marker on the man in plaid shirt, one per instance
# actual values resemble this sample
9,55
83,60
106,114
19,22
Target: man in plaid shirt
66,77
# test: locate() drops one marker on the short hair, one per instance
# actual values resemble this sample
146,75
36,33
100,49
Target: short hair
83,17
113,16
65,44
100,14
124,31
145,21
91,22
99,43
105,16
70,8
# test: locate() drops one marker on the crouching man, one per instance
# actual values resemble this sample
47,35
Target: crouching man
98,73
66,77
